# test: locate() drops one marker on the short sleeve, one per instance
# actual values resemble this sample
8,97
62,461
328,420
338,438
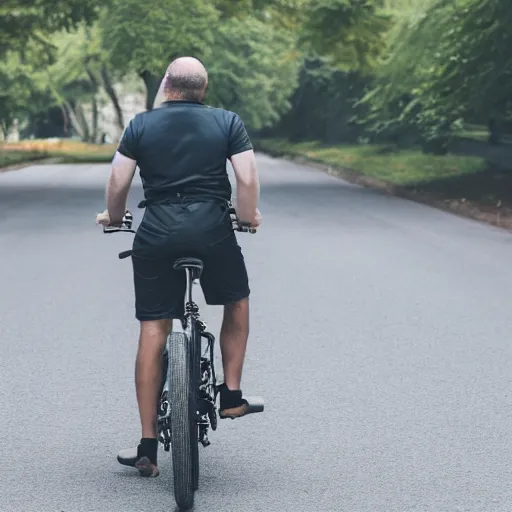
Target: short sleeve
238,138
130,140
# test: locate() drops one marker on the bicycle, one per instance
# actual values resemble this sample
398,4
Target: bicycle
187,408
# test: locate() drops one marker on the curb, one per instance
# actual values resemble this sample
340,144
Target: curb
497,217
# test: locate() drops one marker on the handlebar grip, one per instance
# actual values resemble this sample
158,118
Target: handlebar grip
125,254
246,229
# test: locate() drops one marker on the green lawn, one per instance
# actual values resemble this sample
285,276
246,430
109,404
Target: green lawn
407,167
8,158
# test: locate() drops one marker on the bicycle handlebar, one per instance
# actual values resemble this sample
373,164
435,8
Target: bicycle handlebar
238,225
126,227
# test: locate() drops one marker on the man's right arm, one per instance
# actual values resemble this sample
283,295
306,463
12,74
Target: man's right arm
243,160
247,186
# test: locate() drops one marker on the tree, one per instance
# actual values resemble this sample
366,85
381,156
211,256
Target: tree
33,21
449,62
350,32
145,36
77,78
16,87
474,66
253,70
340,42
322,105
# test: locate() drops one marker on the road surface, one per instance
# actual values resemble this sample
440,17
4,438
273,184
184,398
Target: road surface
381,341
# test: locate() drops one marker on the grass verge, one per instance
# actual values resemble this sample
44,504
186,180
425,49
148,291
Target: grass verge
463,184
67,151
8,158
403,168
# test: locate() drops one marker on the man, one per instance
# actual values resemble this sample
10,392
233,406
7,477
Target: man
181,149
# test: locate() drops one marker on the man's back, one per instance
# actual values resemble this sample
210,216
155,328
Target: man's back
182,147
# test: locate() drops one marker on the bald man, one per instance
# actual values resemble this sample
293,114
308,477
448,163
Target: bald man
181,149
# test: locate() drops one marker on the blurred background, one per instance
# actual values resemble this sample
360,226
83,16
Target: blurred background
412,93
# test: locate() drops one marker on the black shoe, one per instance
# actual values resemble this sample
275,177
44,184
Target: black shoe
143,457
233,405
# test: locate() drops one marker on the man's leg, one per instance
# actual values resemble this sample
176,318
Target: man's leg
148,372
159,292
225,282
148,383
233,341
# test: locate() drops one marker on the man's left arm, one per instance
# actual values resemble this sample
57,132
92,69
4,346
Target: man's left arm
118,186
121,175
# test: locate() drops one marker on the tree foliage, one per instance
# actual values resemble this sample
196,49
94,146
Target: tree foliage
16,90
349,31
402,70
33,21
253,70
449,62
145,36
322,107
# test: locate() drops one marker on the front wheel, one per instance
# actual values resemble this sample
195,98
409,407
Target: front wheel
195,353
182,417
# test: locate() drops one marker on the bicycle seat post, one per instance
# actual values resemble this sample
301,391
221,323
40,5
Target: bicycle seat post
193,268
192,275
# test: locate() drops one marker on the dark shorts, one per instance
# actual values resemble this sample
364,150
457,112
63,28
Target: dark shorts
197,229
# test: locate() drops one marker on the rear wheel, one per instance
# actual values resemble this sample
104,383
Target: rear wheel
182,405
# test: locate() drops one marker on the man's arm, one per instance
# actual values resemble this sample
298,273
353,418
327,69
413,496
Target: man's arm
247,185
118,186
241,155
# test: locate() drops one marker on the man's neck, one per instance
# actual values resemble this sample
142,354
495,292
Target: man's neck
174,97
177,96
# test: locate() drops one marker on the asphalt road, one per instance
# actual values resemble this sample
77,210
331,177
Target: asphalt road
381,341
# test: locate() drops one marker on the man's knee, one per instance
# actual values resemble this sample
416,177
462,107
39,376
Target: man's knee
155,329
236,314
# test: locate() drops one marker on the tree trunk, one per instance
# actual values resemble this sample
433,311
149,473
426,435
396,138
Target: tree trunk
111,92
494,132
65,117
152,84
80,114
6,128
94,128
75,123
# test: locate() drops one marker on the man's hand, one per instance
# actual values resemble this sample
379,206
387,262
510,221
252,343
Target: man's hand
256,221
104,220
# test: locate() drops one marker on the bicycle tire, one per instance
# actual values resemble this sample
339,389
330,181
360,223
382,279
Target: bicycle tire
195,344
182,413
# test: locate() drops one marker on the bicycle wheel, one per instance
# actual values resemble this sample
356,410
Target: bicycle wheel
195,344
182,416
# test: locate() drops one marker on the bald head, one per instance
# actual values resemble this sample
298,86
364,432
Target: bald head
186,79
